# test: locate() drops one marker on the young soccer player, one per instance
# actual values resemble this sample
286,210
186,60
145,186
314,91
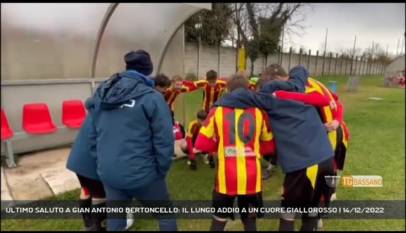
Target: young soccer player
178,86
162,83
192,132
212,87
239,136
81,161
179,135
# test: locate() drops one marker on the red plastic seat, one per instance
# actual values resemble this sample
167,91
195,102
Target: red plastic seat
73,113
6,131
37,119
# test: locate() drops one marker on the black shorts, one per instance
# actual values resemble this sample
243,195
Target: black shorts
95,187
305,187
340,151
271,158
185,150
244,201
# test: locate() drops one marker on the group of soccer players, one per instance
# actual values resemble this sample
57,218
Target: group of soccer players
238,138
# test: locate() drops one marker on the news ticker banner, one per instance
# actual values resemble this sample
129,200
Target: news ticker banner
388,209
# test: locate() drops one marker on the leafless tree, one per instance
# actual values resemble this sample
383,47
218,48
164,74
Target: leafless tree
259,26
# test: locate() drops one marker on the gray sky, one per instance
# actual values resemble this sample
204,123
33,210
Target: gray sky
380,22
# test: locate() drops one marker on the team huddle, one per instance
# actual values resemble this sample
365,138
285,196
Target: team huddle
289,119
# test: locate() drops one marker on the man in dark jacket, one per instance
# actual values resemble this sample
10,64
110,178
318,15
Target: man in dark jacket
303,149
134,138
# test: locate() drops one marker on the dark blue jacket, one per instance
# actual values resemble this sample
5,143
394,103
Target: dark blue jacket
300,137
82,157
134,131
298,76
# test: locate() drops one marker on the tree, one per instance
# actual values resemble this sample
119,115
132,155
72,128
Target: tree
215,24
376,53
259,26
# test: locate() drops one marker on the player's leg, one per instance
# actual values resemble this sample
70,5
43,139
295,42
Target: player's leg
93,191
298,191
266,167
212,163
191,157
155,195
85,202
325,185
115,199
339,158
98,201
249,218
219,219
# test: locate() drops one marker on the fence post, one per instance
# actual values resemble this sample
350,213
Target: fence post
373,68
329,63
218,58
281,56
198,59
365,66
361,65
324,61
369,66
345,66
351,65
308,59
341,64
315,67
300,56
335,64
290,57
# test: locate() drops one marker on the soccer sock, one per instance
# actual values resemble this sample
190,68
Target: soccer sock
250,224
99,219
86,203
286,225
217,225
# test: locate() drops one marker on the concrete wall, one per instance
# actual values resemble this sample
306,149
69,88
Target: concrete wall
334,65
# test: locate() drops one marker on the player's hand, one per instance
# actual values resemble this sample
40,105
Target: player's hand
196,151
332,125
333,105
274,94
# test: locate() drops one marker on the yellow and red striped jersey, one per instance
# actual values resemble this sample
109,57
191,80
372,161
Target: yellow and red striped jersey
239,136
326,113
171,93
193,130
210,93
191,135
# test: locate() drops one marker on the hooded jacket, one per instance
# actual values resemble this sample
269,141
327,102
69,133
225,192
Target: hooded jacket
300,137
134,138
82,157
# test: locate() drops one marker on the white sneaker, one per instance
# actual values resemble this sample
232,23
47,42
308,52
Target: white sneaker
333,197
206,159
130,221
319,225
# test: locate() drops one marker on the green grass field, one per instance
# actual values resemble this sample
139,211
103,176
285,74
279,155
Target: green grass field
377,147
